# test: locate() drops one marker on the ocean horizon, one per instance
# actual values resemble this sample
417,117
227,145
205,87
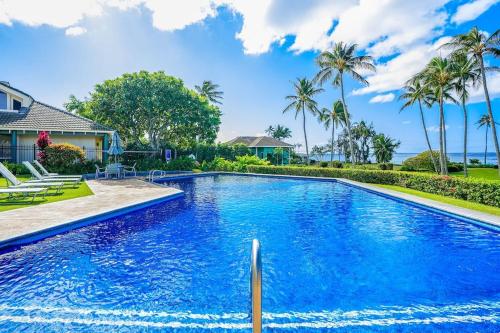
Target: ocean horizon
398,158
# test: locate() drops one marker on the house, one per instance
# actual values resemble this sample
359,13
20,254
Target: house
264,147
22,118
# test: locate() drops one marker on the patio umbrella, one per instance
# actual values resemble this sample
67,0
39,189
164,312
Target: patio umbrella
116,147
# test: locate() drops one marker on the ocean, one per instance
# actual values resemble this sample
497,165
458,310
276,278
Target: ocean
398,158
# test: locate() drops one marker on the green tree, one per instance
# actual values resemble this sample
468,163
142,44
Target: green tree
342,59
333,118
415,91
363,134
485,121
467,72
384,148
303,100
279,132
438,76
478,45
210,91
151,107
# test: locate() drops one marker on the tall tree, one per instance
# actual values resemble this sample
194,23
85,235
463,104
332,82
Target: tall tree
485,121
303,101
210,91
342,59
415,91
384,148
477,44
467,73
279,132
438,77
332,118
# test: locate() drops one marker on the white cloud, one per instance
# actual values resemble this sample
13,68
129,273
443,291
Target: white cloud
406,122
471,10
493,82
75,31
383,98
435,128
393,74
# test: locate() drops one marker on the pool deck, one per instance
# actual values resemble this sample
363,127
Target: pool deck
110,196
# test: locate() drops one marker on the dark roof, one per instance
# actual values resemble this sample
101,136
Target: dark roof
43,117
258,141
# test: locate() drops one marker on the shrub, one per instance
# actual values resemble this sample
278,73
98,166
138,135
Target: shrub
481,191
323,164
240,165
421,162
455,167
337,164
181,163
474,161
16,169
62,157
386,166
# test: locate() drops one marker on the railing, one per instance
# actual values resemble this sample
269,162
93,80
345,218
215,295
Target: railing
153,173
256,287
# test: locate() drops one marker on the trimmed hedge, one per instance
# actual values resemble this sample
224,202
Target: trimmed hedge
481,191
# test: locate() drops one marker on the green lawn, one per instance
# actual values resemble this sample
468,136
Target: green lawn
482,173
68,193
448,200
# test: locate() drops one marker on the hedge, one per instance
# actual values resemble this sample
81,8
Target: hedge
481,191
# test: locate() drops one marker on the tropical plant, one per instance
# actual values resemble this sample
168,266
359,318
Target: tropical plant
303,100
363,134
278,154
42,142
333,118
467,73
342,59
438,76
59,157
384,147
415,91
210,91
485,121
477,44
279,132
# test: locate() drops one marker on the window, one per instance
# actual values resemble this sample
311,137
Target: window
16,105
3,100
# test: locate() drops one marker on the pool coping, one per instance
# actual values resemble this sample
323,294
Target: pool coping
483,219
71,224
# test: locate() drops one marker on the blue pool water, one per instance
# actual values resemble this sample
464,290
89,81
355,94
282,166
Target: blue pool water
334,258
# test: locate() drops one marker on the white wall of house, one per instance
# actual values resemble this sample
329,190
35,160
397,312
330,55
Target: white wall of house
12,95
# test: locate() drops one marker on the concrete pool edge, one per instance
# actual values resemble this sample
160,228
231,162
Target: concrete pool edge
71,224
476,217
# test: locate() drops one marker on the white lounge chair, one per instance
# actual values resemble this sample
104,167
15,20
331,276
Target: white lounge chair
34,172
130,169
45,173
24,191
16,183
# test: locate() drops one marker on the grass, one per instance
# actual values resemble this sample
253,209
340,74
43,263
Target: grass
443,199
480,173
68,193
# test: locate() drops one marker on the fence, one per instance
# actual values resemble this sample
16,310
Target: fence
30,153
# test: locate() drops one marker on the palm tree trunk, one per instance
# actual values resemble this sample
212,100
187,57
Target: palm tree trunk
442,159
465,137
486,145
445,143
347,120
305,134
427,137
488,105
333,138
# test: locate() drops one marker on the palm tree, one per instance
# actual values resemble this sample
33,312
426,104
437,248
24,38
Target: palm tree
485,120
438,77
303,100
416,92
467,72
342,59
476,44
384,148
279,132
209,90
270,130
333,118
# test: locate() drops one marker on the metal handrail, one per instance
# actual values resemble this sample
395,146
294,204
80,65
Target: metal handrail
152,173
256,287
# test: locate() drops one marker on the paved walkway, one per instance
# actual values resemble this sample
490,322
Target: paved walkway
109,196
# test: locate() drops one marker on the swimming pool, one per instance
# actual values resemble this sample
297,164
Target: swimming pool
334,256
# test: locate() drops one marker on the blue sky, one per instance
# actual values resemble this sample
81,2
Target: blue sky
253,49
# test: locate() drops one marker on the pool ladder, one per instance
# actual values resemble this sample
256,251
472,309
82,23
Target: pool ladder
158,173
256,287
